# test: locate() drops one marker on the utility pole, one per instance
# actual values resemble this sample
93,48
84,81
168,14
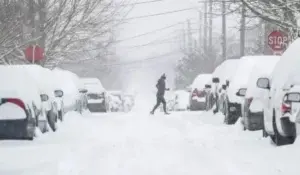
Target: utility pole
210,26
200,38
205,28
242,31
190,40
224,42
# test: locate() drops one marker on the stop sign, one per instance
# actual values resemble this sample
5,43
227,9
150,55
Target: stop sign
277,40
34,53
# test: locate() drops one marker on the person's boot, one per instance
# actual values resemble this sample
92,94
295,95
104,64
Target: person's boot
166,113
152,112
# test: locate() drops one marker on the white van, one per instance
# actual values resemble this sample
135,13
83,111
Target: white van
276,124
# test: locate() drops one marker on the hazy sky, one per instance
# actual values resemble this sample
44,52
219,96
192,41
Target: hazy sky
167,43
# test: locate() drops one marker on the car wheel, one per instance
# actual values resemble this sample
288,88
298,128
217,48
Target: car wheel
279,140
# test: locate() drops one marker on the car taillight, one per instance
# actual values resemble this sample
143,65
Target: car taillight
15,101
285,107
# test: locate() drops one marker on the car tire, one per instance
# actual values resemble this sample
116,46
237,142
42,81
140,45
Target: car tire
279,140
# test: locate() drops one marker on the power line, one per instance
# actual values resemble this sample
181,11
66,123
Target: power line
153,31
139,3
140,61
159,14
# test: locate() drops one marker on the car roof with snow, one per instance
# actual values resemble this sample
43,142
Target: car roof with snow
43,77
92,85
242,75
19,84
287,70
66,83
201,80
226,70
264,68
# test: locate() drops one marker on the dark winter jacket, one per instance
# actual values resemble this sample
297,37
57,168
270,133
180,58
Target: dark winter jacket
161,87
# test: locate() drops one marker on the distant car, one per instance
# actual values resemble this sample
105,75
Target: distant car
221,77
97,97
252,108
116,101
198,92
75,97
20,104
181,100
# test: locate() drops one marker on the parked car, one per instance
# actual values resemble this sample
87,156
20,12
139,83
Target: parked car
45,83
20,104
252,108
97,97
237,88
198,92
74,92
221,78
181,100
286,73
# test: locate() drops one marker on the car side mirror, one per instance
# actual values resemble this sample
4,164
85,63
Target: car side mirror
216,80
44,97
208,86
293,97
263,83
241,92
224,86
58,93
83,91
227,83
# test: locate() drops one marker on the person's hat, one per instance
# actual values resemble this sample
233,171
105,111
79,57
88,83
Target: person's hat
163,76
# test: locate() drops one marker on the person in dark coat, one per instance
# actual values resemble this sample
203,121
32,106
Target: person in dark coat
161,88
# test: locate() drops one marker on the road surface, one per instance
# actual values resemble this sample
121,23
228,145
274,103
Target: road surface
135,143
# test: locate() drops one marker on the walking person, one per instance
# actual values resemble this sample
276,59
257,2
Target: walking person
161,88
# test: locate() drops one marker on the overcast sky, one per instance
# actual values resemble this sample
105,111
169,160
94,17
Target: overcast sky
131,49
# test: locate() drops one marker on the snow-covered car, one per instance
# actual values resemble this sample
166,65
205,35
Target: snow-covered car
221,78
74,91
20,104
116,101
284,76
199,92
181,100
45,83
236,90
252,108
97,97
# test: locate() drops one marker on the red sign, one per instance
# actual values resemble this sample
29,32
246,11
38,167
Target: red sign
34,53
277,40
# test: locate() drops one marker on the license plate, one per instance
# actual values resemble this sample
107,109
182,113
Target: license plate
232,109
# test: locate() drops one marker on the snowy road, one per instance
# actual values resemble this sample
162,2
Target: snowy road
135,143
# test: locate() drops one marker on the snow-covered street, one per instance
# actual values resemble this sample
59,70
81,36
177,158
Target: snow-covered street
137,143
